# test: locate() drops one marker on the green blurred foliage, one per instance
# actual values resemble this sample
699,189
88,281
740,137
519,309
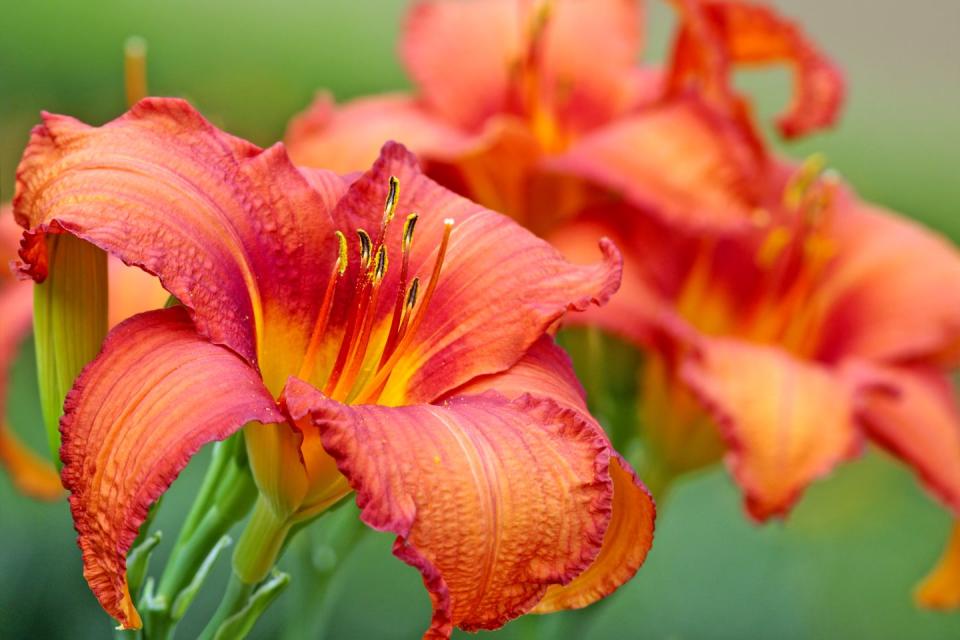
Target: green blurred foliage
841,567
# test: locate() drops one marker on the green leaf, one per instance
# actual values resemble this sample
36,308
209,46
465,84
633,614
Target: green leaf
184,599
139,559
239,625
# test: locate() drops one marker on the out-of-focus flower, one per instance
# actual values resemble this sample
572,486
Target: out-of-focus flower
775,305
132,291
415,369
516,99
790,335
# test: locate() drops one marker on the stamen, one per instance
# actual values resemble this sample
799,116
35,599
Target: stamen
408,226
366,249
800,183
412,294
381,268
323,317
375,386
392,335
393,196
359,351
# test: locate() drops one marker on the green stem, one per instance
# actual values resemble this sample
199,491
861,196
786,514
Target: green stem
234,600
225,498
223,453
260,543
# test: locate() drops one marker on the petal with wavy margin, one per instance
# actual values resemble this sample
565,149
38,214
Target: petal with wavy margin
787,422
235,232
492,500
151,399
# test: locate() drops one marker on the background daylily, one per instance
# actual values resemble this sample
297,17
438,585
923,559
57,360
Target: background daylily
774,305
517,98
412,364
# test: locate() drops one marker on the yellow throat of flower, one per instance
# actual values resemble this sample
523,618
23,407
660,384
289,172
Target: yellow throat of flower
363,366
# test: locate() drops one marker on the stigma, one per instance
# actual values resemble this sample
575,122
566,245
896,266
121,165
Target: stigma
365,358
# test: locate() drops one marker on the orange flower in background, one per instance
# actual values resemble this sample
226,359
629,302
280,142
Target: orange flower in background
411,364
773,303
520,103
797,338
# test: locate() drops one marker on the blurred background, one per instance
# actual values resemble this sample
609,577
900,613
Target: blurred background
842,566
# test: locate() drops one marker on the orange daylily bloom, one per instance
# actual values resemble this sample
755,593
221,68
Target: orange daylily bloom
520,103
774,304
416,369
798,337
132,291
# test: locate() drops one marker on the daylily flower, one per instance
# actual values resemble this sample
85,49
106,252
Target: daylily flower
774,305
785,346
521,103
411,363
132,291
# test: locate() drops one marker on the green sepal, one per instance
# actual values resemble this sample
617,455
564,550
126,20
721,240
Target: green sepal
239,625
69,323
185,598
139,559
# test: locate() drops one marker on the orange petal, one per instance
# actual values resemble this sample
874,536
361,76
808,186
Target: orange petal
884,307
236,233
715,36
492,500
590,53
654,257
151,399
459,55
348,137
31,474
500,287
625,545
917,419
546,371
681,162
132,291
941,588
787,422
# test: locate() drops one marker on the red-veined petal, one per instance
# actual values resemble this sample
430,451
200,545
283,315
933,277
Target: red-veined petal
715,36
500,286
787,422
546,371
151,399
492,500
235,232
625,545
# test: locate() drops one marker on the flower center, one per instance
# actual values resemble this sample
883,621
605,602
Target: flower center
362,368
782,303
